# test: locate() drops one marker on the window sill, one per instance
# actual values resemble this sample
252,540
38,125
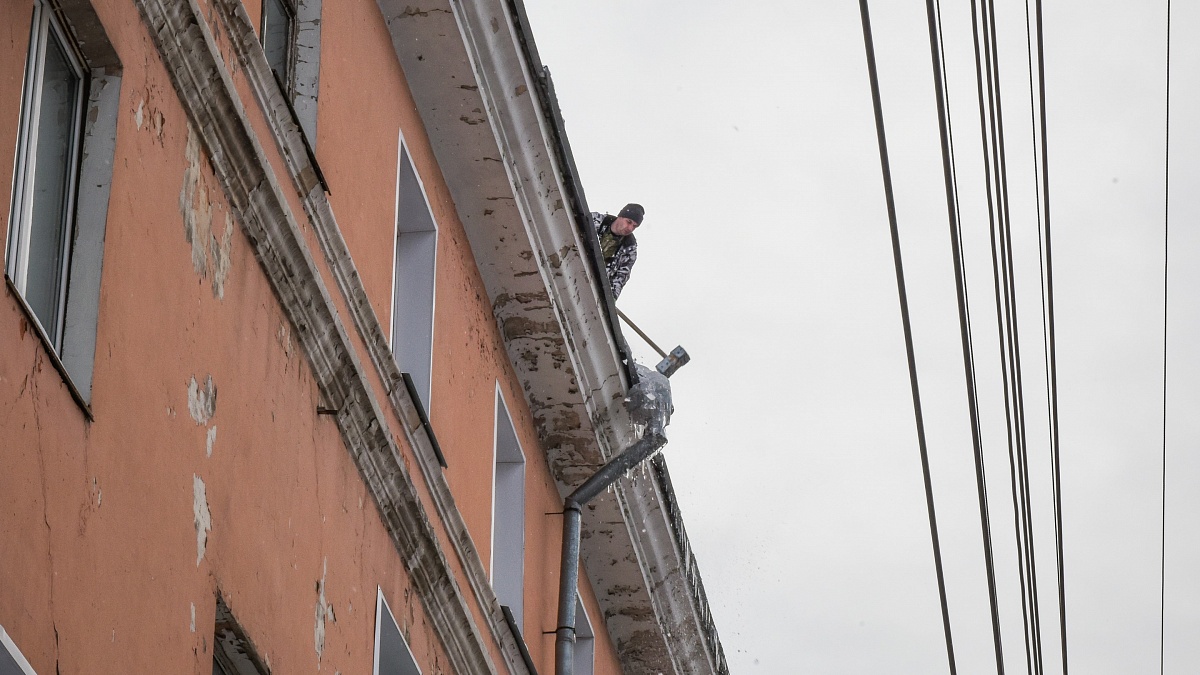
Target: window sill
48,347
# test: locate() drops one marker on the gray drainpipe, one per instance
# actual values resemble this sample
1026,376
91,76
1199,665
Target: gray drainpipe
650,407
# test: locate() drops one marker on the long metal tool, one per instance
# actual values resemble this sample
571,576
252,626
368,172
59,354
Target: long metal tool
637,330
671,362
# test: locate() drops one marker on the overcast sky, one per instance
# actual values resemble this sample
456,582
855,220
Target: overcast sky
746,130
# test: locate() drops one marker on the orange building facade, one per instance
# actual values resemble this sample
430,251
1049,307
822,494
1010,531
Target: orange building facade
303,340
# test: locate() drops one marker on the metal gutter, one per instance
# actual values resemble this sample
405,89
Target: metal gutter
488,109
570,175
691,569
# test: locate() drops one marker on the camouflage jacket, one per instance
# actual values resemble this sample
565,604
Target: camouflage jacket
620,262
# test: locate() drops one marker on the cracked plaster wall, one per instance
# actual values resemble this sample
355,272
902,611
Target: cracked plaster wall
469,351
145,512
106,512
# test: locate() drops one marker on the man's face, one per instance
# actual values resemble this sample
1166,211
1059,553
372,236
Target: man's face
623,226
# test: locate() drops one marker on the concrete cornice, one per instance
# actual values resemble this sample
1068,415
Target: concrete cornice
204,84
469,72
289,136
464,67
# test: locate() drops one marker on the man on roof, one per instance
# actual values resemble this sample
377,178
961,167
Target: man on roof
617,243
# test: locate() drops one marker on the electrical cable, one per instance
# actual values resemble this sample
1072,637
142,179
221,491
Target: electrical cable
905,320
937,51
992,194
1027,544
1162,619
1000,216
1045,253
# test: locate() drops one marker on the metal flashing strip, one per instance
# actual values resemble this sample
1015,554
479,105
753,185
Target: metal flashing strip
206,91
540,74
416,399
691,570
516,631
47,344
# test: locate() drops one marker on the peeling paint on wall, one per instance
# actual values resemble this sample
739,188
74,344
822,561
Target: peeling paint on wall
193,624
324,612
285,339
150,118
209,440
195,206
220,256
208,254
202,402
201,517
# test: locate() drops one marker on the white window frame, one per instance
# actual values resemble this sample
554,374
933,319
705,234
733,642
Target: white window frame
45,28
414,283
71,345
386,628
508,511
302,73
16,663
585,640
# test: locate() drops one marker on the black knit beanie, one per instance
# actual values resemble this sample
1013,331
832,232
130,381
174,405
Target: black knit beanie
633,212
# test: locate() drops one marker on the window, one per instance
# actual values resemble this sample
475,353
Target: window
508,514
279,39
233,653
61,181
415,260
392,655
291,39
585,640
47,165
12,662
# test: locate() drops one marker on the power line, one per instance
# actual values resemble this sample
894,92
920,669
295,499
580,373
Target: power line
1162,631
904,315
995,205
1049,336
937,51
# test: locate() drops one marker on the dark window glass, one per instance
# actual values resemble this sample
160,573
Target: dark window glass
54,93
278,24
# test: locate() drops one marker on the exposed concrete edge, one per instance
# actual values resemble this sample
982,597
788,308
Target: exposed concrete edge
287,135
462,64
702,625
681,615
465,65
671,572
189,52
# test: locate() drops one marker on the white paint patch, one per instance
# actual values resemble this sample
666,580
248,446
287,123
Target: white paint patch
195,206
209,440
193,624
157,123
202,402
285,339
220,257
324,611
138,115
201,516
